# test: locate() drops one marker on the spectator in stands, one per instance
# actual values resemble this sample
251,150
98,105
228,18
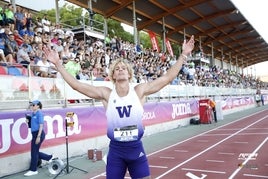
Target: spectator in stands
13,47
36,123
113,43
71,52
42,67
2,17
38,25
83,75
58,46
58,30
73,66
5,51
69,35
75,45
38,51
66,52
46,24
37,37
124,111
55,39
30,33
107,40
10,19
29,46
2,48
97,72
19,39
46,38
19,18
23,31
5,33
23,56
29,19
191,74
85,63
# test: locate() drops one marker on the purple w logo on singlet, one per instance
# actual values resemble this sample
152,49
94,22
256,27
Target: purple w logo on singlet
124,111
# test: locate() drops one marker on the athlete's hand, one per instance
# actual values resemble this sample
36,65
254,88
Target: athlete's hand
188,46
52,55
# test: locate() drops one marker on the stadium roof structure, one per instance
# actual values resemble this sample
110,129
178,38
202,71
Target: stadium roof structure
216,24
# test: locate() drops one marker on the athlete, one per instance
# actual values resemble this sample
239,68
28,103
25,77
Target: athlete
124,110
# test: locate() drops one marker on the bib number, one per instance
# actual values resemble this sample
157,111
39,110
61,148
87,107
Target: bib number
126,134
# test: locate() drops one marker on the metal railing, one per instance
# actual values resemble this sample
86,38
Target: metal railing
17,91
93,28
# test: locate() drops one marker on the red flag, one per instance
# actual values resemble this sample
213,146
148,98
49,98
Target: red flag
169,48
154,40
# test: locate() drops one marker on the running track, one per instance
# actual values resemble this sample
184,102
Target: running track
237,150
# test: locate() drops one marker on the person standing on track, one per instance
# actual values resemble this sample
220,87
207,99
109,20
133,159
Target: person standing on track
212,104
124,111
36,123
258,97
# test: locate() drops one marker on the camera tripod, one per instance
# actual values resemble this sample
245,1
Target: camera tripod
67,167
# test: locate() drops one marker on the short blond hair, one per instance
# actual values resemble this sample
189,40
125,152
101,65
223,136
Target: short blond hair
115,63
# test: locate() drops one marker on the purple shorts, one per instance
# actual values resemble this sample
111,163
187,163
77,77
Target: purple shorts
125,156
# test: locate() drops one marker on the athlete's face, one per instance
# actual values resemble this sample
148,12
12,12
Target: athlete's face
120,72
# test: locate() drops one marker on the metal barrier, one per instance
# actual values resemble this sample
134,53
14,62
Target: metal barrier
17,91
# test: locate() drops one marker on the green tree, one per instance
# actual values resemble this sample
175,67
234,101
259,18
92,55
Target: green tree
73,16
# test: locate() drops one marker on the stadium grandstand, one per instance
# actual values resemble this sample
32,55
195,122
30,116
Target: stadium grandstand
226,43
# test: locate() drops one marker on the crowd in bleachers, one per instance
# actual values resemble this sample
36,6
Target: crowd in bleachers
22,38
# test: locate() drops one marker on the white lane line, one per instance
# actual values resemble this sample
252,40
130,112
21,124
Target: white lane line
229,129
238,129
204,133
255,176
225,153
212,135
155,166
258,128
207,149
201,134
181,151
207,171
168,157
248,158
242,134
255,133
216,161
239,142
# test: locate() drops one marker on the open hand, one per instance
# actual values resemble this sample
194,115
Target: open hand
188,46
52,55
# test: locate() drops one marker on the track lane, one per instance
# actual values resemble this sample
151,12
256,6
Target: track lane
210,154
208,162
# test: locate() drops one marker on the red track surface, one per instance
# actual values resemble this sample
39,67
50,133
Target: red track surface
236,150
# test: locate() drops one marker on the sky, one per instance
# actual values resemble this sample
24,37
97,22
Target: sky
254,11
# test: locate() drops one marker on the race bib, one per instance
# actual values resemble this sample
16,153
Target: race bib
126,134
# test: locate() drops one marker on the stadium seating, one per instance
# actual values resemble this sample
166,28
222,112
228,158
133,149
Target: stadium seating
3,70
25,72
15,71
